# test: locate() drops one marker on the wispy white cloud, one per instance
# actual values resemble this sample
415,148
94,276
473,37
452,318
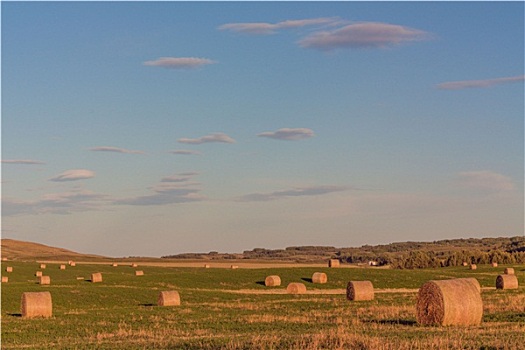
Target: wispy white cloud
73,175
54,203
174,189
263,28
468,84
361,36
21,161
295,192
215,137
115,150
179,62
487,180
185,152
288,134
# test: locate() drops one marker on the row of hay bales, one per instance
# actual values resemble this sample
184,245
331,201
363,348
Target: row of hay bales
40,304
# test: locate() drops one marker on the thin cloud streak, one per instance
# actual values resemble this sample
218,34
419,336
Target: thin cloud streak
179,62
22,161
469,84
73,175
363,35
487,180
288,134
185,152
115,150
215,137
296,192
263,28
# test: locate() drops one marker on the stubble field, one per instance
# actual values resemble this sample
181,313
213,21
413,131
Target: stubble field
232,309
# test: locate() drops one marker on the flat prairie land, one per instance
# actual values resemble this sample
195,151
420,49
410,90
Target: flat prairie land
225,308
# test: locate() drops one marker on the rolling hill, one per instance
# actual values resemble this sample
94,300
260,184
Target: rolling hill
21,250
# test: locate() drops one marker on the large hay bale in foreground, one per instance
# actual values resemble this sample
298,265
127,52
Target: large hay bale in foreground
360,290
449,302
509,271
272,281
44,280
42,266
96,277
139,273
9,269
474,281
507,282
168,298
334,263
36,304
5,279
319,277
296,288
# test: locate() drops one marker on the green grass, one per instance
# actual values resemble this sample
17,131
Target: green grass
121,312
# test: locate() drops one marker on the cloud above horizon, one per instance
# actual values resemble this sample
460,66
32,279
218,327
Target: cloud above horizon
469,84
22,161
73,175
288,134
185,152
214,137
295,192
54,203
487,180
115,150
363,35
179,62
174,189
263,28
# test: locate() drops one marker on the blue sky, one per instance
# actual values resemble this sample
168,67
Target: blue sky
136,128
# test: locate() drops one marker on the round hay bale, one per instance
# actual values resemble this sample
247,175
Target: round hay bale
44,280
9,269
449,302
296,288
73,264
38,273
42,266
334,263
233,267
4,259
36,304
139,273
5,279
319,277
465,263
494,264
360,290
272,281
474,281
62,267
507,282
168,298
473,267
96,277
509,271
134,265
206,266
114,264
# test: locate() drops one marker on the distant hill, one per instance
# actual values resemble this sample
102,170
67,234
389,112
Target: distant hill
20,250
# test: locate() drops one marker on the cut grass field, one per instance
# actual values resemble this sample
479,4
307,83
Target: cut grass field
232,309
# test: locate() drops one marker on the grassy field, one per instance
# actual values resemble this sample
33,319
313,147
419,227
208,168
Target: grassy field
232,309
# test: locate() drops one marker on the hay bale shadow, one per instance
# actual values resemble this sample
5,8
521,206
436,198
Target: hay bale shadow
14,315
147,305
261,283
309,280
393,322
